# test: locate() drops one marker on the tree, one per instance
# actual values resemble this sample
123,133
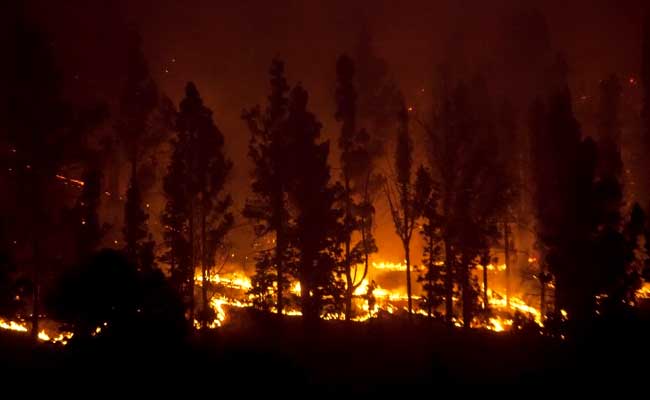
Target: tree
379,98
616,247
175,220
135,230
44,133
645,87
563,169
467,161
315,235
209,216
268,207
356,173
402,203
89,230
433,279
138,101
106,294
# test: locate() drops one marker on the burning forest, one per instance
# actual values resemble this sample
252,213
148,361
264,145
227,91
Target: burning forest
409,204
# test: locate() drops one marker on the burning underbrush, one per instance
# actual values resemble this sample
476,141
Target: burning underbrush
381,295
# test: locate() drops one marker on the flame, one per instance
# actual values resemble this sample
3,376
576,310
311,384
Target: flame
491,267
43,335
644,292
499,302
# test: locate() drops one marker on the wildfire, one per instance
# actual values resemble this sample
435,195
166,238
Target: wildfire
43,335
514,304
232,280
389,266
644,292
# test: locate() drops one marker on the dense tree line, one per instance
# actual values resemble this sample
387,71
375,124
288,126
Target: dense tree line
464,198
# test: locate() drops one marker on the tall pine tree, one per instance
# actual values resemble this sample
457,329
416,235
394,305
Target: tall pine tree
268,207
401,199
208,212
356,173
315,235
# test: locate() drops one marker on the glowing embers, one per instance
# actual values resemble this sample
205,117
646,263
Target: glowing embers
75,182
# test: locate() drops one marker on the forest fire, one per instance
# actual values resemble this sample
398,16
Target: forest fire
237,286
199,186
43,335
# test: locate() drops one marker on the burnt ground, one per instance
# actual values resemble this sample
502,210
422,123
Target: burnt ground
257,348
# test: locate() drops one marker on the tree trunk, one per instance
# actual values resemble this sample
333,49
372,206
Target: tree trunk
280,247
204,268
430,281
506,238
36,289
465,285
542,298
192,262
407,255
348,239
449,284
486,304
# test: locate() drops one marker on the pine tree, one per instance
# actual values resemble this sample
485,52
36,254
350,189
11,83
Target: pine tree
315,235
268,207
378,96
44,133
138,102
468,163
209,216
135,224
645,107
175,222
563,169
356,173
89,230
433,278
403,210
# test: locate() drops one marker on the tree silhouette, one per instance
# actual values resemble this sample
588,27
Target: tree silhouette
433,278
468,162
315,234
356,173
209,218
89,230
268,207
402,204
645,93
175,220
44,133
563,169
618,269
135,222
379,98
106,295
138,102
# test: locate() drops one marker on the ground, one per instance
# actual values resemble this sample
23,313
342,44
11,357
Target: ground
257,348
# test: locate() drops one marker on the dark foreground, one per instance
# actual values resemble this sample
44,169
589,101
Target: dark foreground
255,348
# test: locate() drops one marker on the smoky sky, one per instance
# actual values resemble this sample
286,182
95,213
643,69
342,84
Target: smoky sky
225,47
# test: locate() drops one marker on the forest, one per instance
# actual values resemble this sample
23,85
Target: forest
487,224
